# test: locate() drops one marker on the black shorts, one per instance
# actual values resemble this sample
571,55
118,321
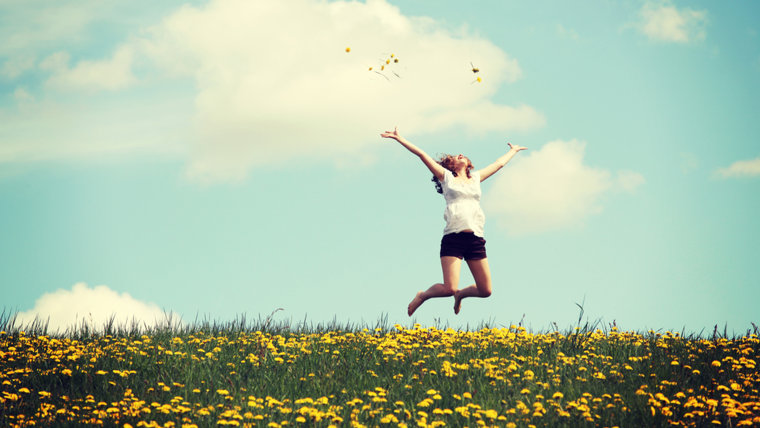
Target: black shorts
464,245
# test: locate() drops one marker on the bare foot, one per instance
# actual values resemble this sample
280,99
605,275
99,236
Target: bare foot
457,303
415,303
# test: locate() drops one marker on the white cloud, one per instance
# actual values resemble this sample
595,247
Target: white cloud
110,74
742,168
67,309
662,21
275,83
551,189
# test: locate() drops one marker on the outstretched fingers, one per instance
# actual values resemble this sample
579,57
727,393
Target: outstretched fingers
389,134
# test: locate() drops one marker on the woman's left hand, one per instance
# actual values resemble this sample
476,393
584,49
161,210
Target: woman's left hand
515,147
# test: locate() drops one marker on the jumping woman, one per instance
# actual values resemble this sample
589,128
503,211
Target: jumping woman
463,234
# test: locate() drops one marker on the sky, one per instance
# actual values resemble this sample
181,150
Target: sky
214,159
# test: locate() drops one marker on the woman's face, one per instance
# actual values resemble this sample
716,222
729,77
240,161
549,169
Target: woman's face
461,161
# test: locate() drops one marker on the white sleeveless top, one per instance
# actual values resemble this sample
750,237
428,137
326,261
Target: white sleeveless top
462,204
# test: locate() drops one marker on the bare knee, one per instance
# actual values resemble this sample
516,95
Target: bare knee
484,290
448,289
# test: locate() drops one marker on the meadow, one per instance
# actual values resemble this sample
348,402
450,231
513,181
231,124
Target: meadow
271,375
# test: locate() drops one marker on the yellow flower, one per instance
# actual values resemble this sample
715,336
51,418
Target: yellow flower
348,49
715,363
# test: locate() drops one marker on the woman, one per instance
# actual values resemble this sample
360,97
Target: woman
463,235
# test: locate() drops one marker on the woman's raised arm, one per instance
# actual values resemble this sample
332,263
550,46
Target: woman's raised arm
491,169
432,165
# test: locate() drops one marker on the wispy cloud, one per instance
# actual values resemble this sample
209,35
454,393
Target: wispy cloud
567,33
551,188
66,309
665,22
742,168
16,66
689,162
628,181
32,26
110,74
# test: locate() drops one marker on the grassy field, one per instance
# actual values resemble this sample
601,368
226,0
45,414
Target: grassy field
273,376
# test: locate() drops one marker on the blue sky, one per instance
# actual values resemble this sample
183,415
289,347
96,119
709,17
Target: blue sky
222,158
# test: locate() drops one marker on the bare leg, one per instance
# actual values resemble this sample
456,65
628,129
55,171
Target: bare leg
482,286
451,267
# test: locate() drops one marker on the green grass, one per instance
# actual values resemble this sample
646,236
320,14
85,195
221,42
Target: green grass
269,373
